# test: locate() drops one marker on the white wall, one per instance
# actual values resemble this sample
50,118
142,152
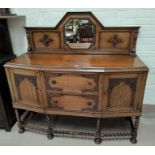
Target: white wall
145,18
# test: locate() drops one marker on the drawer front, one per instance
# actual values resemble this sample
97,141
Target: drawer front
72,102
72,82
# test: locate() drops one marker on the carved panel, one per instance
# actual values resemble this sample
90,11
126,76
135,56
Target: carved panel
115,39
27,89
72,82
19,78
45,40
73,102
121,93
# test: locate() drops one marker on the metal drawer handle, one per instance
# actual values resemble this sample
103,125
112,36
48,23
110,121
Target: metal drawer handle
89,103
54,82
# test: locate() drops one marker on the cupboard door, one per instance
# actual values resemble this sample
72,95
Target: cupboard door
27,88
120,92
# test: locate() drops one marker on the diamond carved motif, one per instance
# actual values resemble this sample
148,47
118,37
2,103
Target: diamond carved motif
115,40
46,40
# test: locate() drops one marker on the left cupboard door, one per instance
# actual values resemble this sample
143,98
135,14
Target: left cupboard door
26,87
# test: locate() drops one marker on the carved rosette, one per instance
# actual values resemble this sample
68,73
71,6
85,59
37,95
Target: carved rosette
115,40
46,40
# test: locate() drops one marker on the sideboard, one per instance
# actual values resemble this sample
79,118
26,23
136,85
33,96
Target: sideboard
79,68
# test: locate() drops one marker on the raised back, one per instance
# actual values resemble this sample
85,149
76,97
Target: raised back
71,35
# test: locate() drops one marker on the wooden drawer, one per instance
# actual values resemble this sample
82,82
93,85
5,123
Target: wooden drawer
72,102
72,82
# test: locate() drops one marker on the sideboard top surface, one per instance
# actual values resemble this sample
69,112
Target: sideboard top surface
77,61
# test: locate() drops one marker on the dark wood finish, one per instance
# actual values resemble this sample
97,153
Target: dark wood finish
98,139
4,11
50,130
7,116
133,139
53,79
5,46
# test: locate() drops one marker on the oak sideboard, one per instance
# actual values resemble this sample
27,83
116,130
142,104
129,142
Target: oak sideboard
79,68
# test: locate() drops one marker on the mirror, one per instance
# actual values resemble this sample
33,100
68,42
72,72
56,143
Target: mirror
79,33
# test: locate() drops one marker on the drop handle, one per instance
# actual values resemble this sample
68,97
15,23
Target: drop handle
54,82
89,103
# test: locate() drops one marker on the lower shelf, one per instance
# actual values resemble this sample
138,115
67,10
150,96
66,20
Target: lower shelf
82,127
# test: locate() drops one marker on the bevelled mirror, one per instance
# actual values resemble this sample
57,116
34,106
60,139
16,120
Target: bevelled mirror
79,33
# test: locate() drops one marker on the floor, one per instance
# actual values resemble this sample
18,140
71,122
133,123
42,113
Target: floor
146,135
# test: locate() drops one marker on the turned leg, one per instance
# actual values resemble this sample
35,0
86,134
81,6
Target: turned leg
49,130
20,125
133,139
98,139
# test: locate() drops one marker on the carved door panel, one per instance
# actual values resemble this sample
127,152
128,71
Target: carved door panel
27,88
120,92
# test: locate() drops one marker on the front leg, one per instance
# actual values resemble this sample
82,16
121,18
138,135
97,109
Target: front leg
20,123
133,139
98,139
49,130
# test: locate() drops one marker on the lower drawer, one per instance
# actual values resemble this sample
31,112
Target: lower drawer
81,103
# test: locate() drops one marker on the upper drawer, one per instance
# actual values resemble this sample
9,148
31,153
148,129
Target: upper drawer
72,82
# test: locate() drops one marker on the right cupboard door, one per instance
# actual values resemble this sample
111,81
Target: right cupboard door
121,92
